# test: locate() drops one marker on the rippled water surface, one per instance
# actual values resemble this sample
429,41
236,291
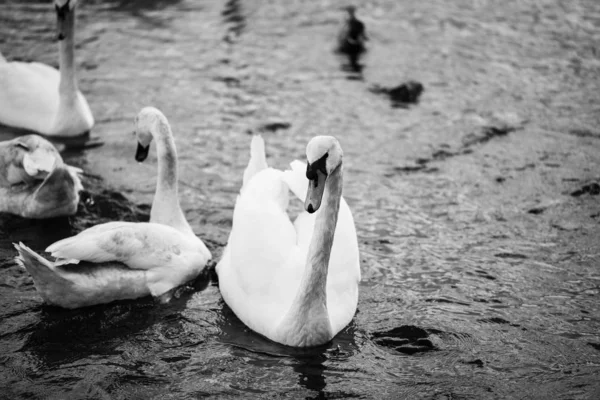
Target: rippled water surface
477,219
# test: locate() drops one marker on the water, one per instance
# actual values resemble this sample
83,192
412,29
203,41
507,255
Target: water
480,269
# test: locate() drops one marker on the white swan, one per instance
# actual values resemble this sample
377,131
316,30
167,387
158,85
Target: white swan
125,260
296,284
34,180
37,97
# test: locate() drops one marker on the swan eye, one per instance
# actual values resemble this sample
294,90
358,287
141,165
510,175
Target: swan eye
22,145
319,165
310,173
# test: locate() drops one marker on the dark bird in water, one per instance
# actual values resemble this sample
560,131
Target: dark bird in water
402,95
352,37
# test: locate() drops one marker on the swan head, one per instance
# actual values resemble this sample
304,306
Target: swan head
63,8
145,122
324,155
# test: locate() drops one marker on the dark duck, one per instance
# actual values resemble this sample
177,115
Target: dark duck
352,37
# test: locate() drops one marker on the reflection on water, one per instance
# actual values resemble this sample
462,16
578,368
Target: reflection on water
234,16
310,374
473,196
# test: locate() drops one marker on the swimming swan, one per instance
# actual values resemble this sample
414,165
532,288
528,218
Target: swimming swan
34,180
296,284
37,97
125,260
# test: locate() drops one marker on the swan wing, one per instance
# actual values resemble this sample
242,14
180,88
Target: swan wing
258,271
28,95
262,234
137,245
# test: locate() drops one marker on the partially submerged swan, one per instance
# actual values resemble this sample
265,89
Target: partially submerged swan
34,180
125,260
296,284
37,97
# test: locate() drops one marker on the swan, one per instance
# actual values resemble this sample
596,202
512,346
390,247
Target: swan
34,180
37,97
296,284
125,260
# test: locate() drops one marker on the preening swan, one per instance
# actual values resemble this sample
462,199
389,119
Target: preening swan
296,284
125,260
34,180
37,97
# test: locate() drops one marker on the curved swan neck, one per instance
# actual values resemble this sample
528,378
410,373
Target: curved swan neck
308,319
319,252
68,82
165,206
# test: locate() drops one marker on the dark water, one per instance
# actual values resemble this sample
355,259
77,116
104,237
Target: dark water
476,211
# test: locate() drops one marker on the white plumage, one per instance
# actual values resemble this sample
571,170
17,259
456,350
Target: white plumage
267,256
125,260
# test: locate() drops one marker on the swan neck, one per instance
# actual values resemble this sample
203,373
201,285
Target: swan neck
165,206
308,316
68,82
314,281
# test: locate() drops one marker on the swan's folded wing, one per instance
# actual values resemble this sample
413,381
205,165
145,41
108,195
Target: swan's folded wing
137,245
296,179
260,261
262,234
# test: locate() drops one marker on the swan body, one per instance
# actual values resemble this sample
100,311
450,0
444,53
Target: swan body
37,97
125,260
34,180
295,283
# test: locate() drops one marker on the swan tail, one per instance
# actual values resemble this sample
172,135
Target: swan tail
296,180
258,159
41,270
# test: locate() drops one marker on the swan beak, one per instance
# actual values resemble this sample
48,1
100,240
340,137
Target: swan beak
316,188
61,14
141,153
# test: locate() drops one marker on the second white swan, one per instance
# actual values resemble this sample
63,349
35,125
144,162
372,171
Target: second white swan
37,97
125,260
